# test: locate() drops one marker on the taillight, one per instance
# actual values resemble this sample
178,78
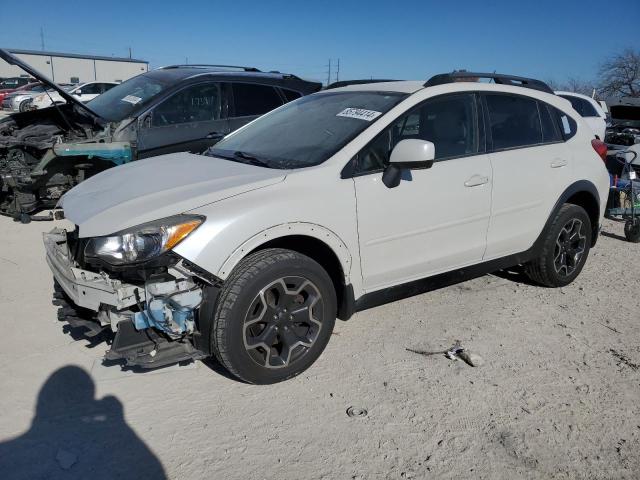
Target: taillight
600,147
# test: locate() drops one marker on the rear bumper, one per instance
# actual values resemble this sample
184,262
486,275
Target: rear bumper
85,288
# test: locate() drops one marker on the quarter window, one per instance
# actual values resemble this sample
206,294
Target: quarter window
198,103
514,121
449,122
251,99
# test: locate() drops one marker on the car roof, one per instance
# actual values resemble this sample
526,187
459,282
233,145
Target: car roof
184,72
405,86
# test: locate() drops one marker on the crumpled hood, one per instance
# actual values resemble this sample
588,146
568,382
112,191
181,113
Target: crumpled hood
158,187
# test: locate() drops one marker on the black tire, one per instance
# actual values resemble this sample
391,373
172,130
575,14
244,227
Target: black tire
557,250
284,277
632,230
23,106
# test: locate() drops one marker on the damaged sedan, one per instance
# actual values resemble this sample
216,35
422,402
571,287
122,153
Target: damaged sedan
46,152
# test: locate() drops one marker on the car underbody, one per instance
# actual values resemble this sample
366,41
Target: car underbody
44,153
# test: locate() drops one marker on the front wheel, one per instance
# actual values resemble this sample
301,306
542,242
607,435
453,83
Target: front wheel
274,316
565,248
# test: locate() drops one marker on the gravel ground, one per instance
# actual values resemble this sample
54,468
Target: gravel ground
556,398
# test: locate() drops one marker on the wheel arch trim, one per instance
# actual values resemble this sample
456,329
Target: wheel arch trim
315,231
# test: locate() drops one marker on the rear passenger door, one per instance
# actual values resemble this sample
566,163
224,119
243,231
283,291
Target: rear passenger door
190,120
249,101
531,168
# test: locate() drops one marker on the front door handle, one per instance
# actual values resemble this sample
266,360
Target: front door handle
215,135
558,162
476,180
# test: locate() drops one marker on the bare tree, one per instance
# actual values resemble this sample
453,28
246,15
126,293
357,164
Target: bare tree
620,74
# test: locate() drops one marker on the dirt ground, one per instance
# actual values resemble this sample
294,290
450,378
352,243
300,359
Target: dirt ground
558,396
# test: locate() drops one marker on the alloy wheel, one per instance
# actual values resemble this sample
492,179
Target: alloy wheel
283,322
570,247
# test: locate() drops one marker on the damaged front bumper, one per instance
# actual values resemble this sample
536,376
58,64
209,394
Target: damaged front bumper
153,322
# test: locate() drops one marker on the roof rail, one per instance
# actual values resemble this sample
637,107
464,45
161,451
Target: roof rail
499,78
346,83
204,65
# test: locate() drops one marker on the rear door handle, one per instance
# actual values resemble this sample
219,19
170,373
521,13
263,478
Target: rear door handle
476,180
558,162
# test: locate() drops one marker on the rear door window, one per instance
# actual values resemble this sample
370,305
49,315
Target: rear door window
550,128
514,121
252,99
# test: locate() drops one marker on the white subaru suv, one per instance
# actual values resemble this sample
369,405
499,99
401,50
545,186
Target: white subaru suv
331,204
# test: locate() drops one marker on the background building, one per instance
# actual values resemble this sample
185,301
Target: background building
73,68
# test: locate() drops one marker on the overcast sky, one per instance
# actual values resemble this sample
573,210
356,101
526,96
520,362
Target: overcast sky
551,40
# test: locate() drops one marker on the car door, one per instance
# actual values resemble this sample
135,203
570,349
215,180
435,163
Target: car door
436,220
249,101
531,168
190,120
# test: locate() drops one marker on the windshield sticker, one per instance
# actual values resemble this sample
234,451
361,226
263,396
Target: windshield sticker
565,125
359,113
131,99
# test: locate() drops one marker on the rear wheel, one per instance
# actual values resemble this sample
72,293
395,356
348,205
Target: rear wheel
565,249
274,316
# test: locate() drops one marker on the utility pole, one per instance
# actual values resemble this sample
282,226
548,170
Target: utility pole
338,71
41,39
129,52
329,73
186,60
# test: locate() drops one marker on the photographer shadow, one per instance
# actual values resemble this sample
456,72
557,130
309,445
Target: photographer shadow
76,436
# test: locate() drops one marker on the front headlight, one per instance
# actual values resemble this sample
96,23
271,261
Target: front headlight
141,243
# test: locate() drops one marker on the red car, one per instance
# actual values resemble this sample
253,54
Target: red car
9,85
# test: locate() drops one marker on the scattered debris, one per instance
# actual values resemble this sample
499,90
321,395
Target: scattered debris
623,359
456,352
357,412
610,328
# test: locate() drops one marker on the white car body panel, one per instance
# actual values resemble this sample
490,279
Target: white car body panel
429,225
158,187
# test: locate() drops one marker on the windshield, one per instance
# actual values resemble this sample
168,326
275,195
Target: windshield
308,131
117,103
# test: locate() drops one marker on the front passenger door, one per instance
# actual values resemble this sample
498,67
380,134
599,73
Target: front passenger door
190,120
436,220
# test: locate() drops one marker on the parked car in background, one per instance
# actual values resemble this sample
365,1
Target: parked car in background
334,203
590,110
20,99
8,85
624,130
84,93
43,153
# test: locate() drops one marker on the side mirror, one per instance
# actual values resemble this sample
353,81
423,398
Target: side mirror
410,154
